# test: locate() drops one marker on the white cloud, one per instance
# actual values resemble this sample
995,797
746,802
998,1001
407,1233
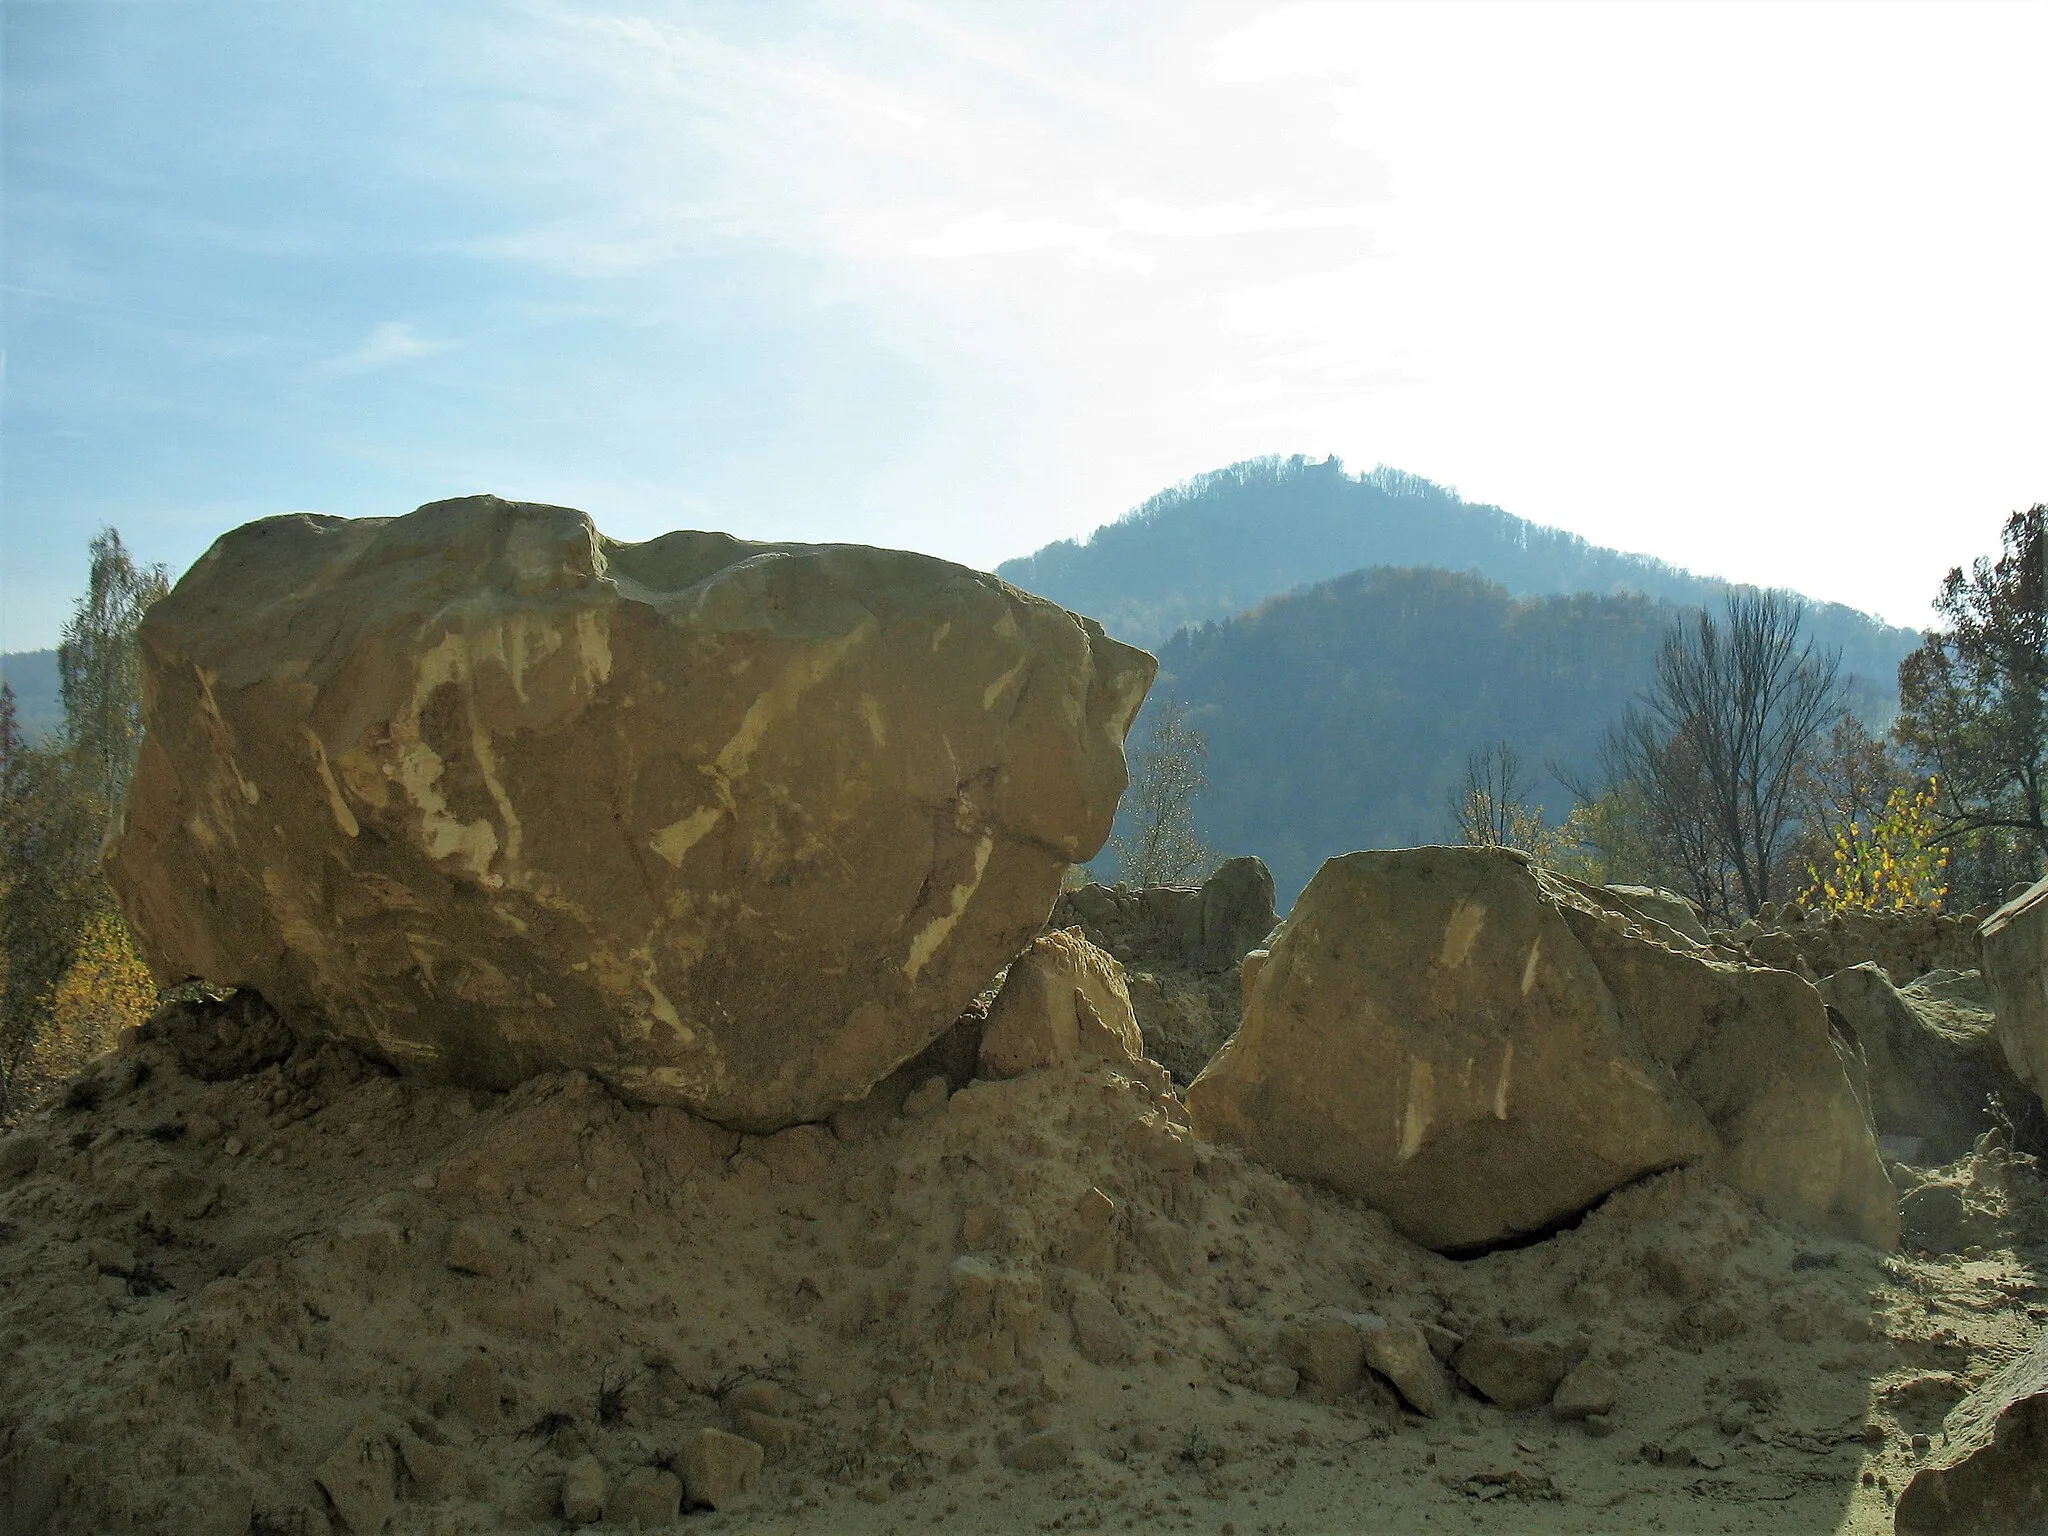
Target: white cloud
388,343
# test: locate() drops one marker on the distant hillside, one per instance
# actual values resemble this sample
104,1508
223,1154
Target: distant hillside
1226,541
38,705
1339,717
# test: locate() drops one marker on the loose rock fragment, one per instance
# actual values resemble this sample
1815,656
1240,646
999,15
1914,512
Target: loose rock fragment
583,1490
1516,1373
720,1469
1586,1390
361,1479
647,1495
1046,1451
1400,1352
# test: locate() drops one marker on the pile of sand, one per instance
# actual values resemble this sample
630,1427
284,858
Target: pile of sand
259,1303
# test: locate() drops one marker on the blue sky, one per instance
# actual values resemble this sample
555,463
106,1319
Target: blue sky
1753,288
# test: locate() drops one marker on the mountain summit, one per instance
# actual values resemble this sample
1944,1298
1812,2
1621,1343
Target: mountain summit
1224,542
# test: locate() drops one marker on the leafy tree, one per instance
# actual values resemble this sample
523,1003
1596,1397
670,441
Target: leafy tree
1890,863
100,667
1718,744
1973,705
56,798
1157,843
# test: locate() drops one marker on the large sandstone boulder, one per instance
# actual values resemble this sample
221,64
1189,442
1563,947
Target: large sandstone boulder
2015,940
1932,1060
1481,1050
733,826
1990,1477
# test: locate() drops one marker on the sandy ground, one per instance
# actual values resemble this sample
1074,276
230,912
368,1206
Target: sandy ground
205,1287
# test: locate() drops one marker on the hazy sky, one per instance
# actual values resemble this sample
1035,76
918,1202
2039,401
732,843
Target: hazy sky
1758,288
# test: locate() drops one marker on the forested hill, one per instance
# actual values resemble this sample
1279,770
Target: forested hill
1226,541
1340,717
38,704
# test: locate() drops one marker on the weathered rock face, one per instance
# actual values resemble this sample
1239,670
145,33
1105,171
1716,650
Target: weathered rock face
1659,906
735,826
1062,1000
2015,940
1932,1061
1991,1477
1480,1049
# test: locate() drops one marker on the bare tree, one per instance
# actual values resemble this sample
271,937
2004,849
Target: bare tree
1157,843
1487,806
1719,744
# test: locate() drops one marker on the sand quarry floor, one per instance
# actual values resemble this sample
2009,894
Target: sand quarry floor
205,1288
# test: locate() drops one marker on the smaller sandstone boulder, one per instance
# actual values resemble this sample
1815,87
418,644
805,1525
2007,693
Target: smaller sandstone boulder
775,1435
1101,1336
720,1469
1278,1381
647,1495
361,1479
1062,1000
1931,1060
583,1491
2015,942
1516,1373
755,1397
1586,1390
1046,1451
1230,915
1328,1353
1401,1353
1991,1478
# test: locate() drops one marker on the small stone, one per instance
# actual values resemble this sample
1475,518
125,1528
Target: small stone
110,1257
647,1495
773,1434
1516,1373
1145,1440
927,1098
1442,1342
1598,1425
583,1490
755,1397
431,1467
1401,1353
533,1316
1329,1354
475,1249
20,1154
180,1196
473,1389
361,1480
980,1227
234,1146
1586,1391
720,1469
1101,1336
1046,1451
1276,1381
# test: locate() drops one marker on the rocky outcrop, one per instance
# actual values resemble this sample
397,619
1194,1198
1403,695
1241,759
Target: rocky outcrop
1991,1476
1062,1000
1481,1050
732,826
1660,906
1904,945
1180,947
2015,940
1932,1060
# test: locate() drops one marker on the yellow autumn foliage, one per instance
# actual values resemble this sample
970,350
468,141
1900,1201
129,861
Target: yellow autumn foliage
1893,865
106,990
